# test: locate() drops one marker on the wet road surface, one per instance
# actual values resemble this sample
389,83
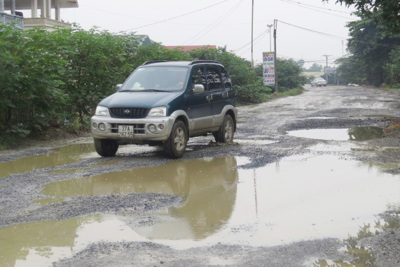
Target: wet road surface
310,181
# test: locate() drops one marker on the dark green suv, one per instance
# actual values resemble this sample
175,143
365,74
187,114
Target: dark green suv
164,103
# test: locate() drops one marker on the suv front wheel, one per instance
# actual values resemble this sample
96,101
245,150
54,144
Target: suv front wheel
175,146
225,133
106,147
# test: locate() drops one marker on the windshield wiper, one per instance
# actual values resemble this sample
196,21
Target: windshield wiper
154,90
144,90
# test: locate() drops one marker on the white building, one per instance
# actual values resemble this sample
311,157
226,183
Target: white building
41,12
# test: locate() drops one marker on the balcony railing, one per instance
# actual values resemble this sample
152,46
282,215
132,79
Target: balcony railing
8,18
48,24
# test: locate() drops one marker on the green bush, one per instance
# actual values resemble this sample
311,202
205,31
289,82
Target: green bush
31,93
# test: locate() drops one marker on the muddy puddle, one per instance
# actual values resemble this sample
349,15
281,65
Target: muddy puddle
299,198
57,156
352,134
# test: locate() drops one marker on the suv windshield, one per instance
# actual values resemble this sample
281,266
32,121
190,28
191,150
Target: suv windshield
156,78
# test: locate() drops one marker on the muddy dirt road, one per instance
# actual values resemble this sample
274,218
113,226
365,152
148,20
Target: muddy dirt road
310,181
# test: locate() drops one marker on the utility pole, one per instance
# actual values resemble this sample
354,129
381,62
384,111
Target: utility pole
270,47
252,27
326,66
275,54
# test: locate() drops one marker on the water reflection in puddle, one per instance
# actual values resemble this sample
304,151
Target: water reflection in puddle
41,243
353,134
207,186
299,198
60,156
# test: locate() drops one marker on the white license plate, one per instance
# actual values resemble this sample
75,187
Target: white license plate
125,131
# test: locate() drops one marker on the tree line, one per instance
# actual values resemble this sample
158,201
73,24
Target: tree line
374,44
57,78
374,53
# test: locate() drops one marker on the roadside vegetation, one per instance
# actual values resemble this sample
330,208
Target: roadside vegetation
374,45
54,80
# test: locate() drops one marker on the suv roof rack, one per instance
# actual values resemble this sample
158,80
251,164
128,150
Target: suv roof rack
203,61
153,61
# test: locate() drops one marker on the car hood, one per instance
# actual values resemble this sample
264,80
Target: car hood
139,99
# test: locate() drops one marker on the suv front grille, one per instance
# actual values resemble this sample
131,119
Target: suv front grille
132,113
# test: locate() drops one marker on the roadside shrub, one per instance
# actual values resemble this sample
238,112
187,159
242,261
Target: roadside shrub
289,75
31,93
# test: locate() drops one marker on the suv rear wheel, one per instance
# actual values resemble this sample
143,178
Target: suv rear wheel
106,147
175,146
225,133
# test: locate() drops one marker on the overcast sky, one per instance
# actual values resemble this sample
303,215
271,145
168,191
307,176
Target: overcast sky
306,29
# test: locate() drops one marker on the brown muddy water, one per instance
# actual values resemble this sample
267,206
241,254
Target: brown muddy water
300,198
58,156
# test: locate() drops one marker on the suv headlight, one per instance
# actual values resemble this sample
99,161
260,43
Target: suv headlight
158,112
102,111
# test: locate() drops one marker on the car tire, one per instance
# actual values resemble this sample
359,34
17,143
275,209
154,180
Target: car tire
227,130
106,147
175,145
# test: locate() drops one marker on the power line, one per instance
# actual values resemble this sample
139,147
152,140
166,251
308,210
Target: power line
312,7
108,12
341,38
179,16
214,24
255,39
321,33
315,61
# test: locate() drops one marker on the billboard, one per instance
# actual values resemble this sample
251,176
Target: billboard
269,68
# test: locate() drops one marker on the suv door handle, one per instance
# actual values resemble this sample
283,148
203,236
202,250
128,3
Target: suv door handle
209,97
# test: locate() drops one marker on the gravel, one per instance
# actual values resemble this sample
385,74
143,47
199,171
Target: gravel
319,108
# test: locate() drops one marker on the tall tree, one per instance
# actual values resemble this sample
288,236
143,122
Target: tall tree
371,46
350,70
388,10
315,68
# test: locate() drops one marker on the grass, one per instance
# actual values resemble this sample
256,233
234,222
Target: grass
291,92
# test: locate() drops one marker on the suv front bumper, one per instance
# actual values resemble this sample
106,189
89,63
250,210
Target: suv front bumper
147,129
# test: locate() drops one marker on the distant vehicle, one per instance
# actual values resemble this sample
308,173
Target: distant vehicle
318,82
165,103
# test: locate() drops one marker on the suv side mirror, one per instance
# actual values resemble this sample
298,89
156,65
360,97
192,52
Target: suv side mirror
198,88
118,86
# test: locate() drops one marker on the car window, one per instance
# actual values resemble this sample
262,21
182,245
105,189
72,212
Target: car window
156,78
199,76
226,80
214,79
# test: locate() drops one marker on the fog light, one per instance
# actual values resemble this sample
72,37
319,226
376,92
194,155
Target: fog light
161,127
152,128
94,125
102,127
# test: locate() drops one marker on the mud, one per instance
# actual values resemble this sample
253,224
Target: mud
141,209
